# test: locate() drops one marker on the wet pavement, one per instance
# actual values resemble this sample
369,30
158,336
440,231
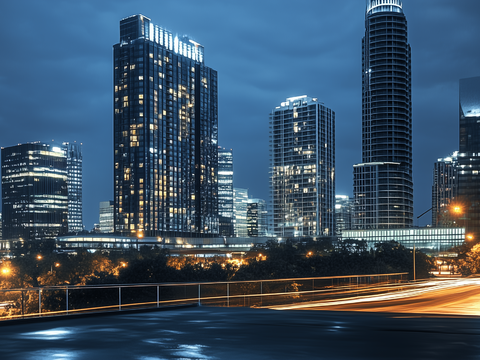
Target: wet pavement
243,333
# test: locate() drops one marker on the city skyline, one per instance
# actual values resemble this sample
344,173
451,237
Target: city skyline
73,94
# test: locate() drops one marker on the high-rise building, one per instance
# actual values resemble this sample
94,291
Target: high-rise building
240,198
444,190
256,218
106,223
225,192
469,155
165,134
343,213
302,168
35,193
73,153
383,185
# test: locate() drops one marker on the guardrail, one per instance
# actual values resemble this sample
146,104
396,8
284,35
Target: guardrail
66,300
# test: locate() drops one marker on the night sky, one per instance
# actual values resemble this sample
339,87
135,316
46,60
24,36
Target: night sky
56,77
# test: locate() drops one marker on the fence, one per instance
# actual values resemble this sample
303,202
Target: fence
65,300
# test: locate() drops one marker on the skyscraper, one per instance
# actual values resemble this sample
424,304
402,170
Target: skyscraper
165,134
256,218
383,186
34,191
469,155
240,209
302,168
343,213
225,192
444,190
106,217
73,152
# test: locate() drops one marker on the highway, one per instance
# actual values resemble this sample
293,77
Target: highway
438,297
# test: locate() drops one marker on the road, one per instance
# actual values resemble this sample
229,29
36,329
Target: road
439,297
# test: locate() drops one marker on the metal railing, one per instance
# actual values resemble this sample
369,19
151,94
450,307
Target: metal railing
66,300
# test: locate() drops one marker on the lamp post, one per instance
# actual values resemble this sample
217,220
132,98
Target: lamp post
414,272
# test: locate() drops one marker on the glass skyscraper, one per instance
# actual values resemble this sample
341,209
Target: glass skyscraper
383,185
256,218
225,192
165,134
302,168
34,192
240,212
444,190
469,155
73,152
105,219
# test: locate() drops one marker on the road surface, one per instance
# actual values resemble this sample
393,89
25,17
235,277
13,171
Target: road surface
439,297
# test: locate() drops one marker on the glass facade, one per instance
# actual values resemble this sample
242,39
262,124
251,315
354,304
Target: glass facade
343,213
240,209
302,168
225,192
34,192
444,189
73,152
106,223
256,218
429,240
383,185
165,134
469,154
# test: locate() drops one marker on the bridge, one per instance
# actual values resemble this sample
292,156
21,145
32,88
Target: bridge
434,319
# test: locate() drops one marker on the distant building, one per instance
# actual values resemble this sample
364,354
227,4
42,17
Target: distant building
256,218
302,168
383,182
106,224
240,202
225,192
165,134
469,155
34,191
343,213
444,189
73,153
432,241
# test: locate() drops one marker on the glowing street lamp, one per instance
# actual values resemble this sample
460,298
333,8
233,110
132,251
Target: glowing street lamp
470,237
5,271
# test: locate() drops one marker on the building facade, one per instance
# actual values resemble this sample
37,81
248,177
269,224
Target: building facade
256,218
106,217
240,212
431,241
469,155
225,192
34,192
383,185
444,190
343,213
302,168
165,134
73,152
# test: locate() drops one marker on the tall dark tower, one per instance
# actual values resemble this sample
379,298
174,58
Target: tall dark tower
165,134
383,186
469,156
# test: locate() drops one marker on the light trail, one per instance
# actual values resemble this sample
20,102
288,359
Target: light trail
447,297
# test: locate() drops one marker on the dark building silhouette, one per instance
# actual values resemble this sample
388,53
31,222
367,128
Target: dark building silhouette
165,134
469,155
383,186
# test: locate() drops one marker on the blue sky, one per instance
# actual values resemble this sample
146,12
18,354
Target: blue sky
56,76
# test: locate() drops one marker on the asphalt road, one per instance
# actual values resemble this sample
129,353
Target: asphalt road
243,333
449,297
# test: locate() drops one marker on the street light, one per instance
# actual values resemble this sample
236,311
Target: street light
5,271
